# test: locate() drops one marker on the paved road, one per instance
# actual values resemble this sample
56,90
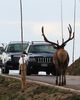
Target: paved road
72,81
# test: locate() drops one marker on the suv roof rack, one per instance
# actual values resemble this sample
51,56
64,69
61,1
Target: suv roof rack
35,42
18,42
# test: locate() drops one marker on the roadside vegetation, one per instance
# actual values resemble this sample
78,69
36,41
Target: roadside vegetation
74,68
10,89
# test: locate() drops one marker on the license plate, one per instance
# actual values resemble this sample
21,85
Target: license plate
44,65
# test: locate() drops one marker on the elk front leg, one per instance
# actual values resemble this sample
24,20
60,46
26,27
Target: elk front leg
56,77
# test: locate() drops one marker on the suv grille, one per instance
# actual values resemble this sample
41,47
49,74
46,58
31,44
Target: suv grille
16,59
44,60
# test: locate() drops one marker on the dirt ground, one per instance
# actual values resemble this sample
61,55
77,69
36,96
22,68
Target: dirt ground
10,89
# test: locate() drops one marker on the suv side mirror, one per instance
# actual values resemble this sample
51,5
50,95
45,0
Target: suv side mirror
24,52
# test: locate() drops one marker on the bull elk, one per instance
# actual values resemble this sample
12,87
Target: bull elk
61,57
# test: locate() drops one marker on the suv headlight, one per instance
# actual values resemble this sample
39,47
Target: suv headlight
9,57
32,59
6,58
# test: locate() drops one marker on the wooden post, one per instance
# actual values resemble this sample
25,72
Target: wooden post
23,76
23,65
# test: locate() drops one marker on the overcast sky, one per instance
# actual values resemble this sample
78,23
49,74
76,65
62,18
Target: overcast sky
38,13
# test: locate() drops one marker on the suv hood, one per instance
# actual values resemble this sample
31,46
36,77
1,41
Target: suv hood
40,54
17,54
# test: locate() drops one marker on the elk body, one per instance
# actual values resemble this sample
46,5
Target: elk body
60,58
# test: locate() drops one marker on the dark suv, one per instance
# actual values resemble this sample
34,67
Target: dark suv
39,57
10,58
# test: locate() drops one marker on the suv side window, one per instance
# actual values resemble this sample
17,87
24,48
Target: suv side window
1,50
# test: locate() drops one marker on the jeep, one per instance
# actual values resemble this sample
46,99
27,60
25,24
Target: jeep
39,57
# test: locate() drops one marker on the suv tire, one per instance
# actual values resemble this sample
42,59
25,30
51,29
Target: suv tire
28,72
47,72
4,70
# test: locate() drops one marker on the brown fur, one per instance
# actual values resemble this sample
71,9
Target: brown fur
60,58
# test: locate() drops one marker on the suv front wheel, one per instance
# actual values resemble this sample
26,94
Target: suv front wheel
28,72
4,70
47,73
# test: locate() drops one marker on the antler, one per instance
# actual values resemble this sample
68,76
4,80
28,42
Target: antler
44,35
70,33
54,44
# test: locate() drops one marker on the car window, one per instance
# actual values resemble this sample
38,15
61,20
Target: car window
16,47
41,48
1,50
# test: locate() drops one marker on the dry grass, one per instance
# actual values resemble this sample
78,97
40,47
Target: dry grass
10,89
74,68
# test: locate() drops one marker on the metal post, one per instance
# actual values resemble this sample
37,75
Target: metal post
22,66
74,29
62,22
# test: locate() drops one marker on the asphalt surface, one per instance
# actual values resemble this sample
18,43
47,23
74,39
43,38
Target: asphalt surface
71,81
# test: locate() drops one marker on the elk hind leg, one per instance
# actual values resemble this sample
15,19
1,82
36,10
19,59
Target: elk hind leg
59,78
64,79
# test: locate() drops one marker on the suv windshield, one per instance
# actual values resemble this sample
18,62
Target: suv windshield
17,47
41,48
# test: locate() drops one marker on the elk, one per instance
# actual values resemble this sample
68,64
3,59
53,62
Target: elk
61,57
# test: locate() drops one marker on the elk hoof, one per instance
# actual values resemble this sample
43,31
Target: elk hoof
56,82
60,84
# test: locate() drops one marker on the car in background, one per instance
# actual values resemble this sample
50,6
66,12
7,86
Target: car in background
2,49
10,58
39,57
